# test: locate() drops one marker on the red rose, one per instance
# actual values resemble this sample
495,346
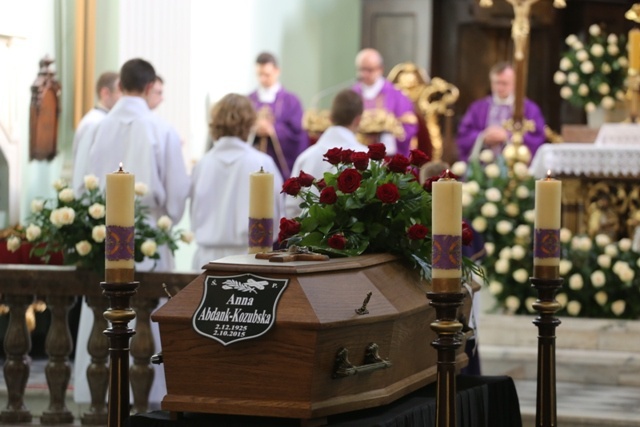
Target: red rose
398,163
416,175
417,232
418,158
345,156
321,184
467,234
305,179
349,180
337,241
328,196
360,160
288,228
427,183
333,155
388,193
291,186
377,151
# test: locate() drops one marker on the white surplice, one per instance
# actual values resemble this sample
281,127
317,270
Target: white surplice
312,161
82,144
220,198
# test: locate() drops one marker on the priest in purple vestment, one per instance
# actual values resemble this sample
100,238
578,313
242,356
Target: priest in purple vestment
379,93
483,123
279,130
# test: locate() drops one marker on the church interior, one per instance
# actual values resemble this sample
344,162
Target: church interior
575,62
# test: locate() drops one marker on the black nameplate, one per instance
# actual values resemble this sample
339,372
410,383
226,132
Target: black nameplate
237,308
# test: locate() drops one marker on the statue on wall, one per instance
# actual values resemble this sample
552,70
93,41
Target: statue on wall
44,113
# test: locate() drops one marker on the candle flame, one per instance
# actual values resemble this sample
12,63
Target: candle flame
548,173
120,169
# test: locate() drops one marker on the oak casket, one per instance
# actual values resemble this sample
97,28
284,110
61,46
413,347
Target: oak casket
321,354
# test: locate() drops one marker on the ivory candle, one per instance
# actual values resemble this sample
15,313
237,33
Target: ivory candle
546,241
634,49
260,212
119,245
446,228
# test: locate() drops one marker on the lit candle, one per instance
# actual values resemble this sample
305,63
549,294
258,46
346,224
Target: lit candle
546,241
446,228
260,212
634,49
119,246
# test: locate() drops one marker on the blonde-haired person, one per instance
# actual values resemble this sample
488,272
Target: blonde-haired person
220,183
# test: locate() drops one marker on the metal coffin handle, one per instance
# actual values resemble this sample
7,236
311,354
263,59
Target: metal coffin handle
372,362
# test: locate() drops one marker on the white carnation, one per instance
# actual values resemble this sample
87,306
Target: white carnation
565,235
493,194
83,248
565,267
466,199
585,243
523,231
627,275
625,244
512,210
164,223
583,90
37,205
618,266
608,103
581,56
559,77
602,240
529,304
523,155
612,39
521,275
587,67
479,224
97,211
575,282
597,50
522,192
521,170
486,156
99,233
471,187
611,250
590,107
459,168
606,68
91,182
573,78
623,61
518,252
598,279
33,232
490,247
66,195
570,40
562,299
594,30
604,261
148,248
140,189
620,95
489,210
504,227
512,303
502,266
566,92
601,298
603,88
618,307
13,243
495,287
613,49
492,170
574,307
505,253
529,216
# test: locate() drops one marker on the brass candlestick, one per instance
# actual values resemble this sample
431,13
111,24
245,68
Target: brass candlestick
448,341
546,305
119,315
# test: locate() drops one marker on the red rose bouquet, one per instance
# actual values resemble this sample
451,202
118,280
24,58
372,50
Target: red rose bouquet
370,203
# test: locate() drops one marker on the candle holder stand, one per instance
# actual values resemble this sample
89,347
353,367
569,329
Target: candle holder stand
119,314
546,305
633,94
449,339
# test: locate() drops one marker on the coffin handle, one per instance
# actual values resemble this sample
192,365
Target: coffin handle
372,362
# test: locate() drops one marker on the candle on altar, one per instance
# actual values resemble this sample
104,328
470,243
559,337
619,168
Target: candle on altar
634,49
119,220
260,212
446,229
546,241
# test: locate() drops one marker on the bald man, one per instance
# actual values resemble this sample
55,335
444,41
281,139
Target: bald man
379,93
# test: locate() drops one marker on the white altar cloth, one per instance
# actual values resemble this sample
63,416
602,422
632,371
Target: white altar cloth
618,134
586,159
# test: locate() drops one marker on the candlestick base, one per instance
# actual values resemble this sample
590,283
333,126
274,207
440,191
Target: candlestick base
119,314
449,340
546,305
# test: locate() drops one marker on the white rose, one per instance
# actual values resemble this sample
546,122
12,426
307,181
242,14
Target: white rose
148,248
523,231
571,39
625,244
573,78
37,205
505,253
602,240
489,210
96,211
521,275
493,194
590,107
606,68
59,184
601,298
575,282
581,56
618,307
495,287
578,45
565,235
99,233
583,90
530,216
512,303
504,227
612,39
520,170
186,236
529,304
486,156
471,187
512,210
141,189
518,252
33,232
559,78
13,243
604,89
83,248
479,224
66,195
627,275
620,96
565,267
466,199
587,67
490,247
91,182
164,223
62,216
619,266
594,30
562,299
598,279
597,50
459,168
492,170
585,244
573,308
623,61
565,64
604,261
613,49
611,250
502,266
522,192
608,103
566,92
575,242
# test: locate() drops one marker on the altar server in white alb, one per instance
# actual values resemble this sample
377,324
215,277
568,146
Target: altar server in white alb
220,183
346,111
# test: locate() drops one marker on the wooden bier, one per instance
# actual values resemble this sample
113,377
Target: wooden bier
292,370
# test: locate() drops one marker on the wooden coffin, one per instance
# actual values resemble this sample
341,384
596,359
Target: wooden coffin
296,369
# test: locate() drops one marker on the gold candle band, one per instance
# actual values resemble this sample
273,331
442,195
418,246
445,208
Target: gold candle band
118,275
446,285
546,272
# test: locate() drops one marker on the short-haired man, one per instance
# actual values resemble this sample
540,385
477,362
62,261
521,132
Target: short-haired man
155,96
279,130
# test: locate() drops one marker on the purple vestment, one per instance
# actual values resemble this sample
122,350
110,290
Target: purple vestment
391,99
476,118
287,112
